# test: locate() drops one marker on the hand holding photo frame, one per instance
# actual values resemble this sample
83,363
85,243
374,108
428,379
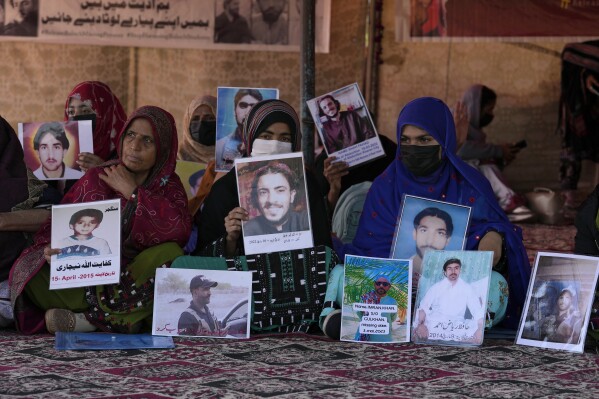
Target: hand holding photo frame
51,149
345,126
559,301
273,190
89,237
376,300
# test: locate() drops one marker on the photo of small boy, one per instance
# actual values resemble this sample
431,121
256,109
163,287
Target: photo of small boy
82,242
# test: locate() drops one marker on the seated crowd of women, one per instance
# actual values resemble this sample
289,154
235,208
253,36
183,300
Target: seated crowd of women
134,160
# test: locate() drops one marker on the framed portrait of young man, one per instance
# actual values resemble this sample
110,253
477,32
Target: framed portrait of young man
233,104
51,149
376,300
202,303
559,301
451,301
423,225
272,188
345,126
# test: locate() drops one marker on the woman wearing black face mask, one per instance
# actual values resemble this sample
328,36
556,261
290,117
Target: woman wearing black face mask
427,166
197,145
199,131
490,158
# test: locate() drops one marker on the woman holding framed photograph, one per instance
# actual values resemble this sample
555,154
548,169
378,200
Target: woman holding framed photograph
155,223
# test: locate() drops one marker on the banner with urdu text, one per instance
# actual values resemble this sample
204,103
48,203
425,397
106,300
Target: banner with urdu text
200,24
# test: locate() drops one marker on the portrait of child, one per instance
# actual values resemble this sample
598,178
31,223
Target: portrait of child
82,242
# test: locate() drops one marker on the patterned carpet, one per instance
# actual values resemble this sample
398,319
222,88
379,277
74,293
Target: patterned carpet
546,238
293,366
303,366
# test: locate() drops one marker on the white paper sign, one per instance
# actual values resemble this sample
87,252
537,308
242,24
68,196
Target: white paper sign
273,190
202,303
89,237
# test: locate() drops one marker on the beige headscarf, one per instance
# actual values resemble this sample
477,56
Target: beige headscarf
189,149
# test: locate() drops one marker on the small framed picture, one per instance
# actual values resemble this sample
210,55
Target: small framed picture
89,238
376,300
559,301
345,126
202,303
233,104
452,295
425,225
273,191
191,174
51,149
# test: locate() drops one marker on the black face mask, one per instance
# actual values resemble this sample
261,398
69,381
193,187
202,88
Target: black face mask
204,132
485,120
421,160
88,117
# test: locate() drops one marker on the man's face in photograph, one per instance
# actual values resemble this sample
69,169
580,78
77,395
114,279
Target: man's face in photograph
233,7
275,196
329,107
431,233
50,153
452,272
381,286
24,6
202,295
271,9
243,107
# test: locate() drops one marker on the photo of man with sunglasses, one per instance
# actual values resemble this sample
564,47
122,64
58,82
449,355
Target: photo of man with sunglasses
228,148
382,285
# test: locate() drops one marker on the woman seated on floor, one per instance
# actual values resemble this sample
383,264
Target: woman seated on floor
427,166
155,223
271,127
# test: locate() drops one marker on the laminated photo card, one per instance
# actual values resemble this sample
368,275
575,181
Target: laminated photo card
272,188
452,295
89,238
202,303
376,300
51,149
233,104
345,126
191,174
559,301
423,225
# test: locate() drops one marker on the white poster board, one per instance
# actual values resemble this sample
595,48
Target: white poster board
89,237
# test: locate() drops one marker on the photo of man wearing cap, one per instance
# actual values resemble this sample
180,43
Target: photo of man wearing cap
197,319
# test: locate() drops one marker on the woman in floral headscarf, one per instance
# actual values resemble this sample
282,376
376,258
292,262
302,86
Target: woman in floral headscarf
155,222
92,100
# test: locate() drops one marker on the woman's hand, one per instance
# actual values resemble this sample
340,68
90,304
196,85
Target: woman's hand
48,252
233,226
87,160
119,179
333,172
